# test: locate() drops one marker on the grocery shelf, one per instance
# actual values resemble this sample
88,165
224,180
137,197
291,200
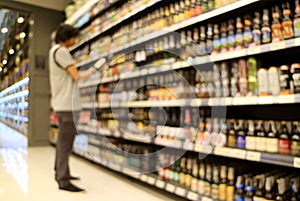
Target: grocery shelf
199,60
271,158
15,86
86,7
200,102
136,11
151,179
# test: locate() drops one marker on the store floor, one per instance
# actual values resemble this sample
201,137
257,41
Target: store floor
26,174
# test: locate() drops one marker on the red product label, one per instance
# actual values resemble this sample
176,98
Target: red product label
284,146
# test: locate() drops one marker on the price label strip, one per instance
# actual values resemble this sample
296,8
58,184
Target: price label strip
144,178
170,188
151,180
180,191
253,156
192,195
296,162
277,46
254,50
160,184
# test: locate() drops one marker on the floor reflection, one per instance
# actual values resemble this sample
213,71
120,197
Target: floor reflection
14,155
15,163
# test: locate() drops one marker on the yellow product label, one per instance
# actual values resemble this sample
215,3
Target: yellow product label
230,193
188,180
258,199
182,178
201,187
222,191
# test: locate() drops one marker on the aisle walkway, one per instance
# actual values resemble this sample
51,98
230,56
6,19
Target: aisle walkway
27,175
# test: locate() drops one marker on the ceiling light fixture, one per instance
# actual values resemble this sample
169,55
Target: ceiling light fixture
0,69
22,35
20,20
11,51
4,62
4,30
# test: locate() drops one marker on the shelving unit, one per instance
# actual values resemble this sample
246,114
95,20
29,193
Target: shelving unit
104,136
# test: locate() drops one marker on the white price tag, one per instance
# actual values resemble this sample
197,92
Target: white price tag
144,72
228,101
297,42
198,147
160,183
192,195
144,178
263,100
240,101
170,188
277,46
296,162
201,60
151,180
220,151
238,153
286,98
253,156
254,50
206,199
180,191
152,70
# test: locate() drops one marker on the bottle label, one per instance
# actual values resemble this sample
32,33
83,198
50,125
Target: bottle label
250,143
257,37
296,79
297,27
231,40
214,191
284,146
266,34
287,29
241,142
207,188
295,147
223,42
230,193
209,46
201,187
272,145
239,38
198,10
194,184
181,178
260,143
222,191
202,48
231,141
284,81
216,44
248,37
188,180
276,33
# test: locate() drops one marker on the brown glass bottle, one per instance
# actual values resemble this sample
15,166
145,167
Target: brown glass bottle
215,183
295,139
231,140
284,139
230,184
287,23
223,183
276,25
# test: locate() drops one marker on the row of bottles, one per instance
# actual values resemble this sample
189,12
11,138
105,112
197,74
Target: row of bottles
206,179
243,77
275,185
188,126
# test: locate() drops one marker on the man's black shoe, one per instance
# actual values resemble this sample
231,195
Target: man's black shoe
70,187
74,178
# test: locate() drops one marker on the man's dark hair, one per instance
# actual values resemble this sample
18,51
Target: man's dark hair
65,32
